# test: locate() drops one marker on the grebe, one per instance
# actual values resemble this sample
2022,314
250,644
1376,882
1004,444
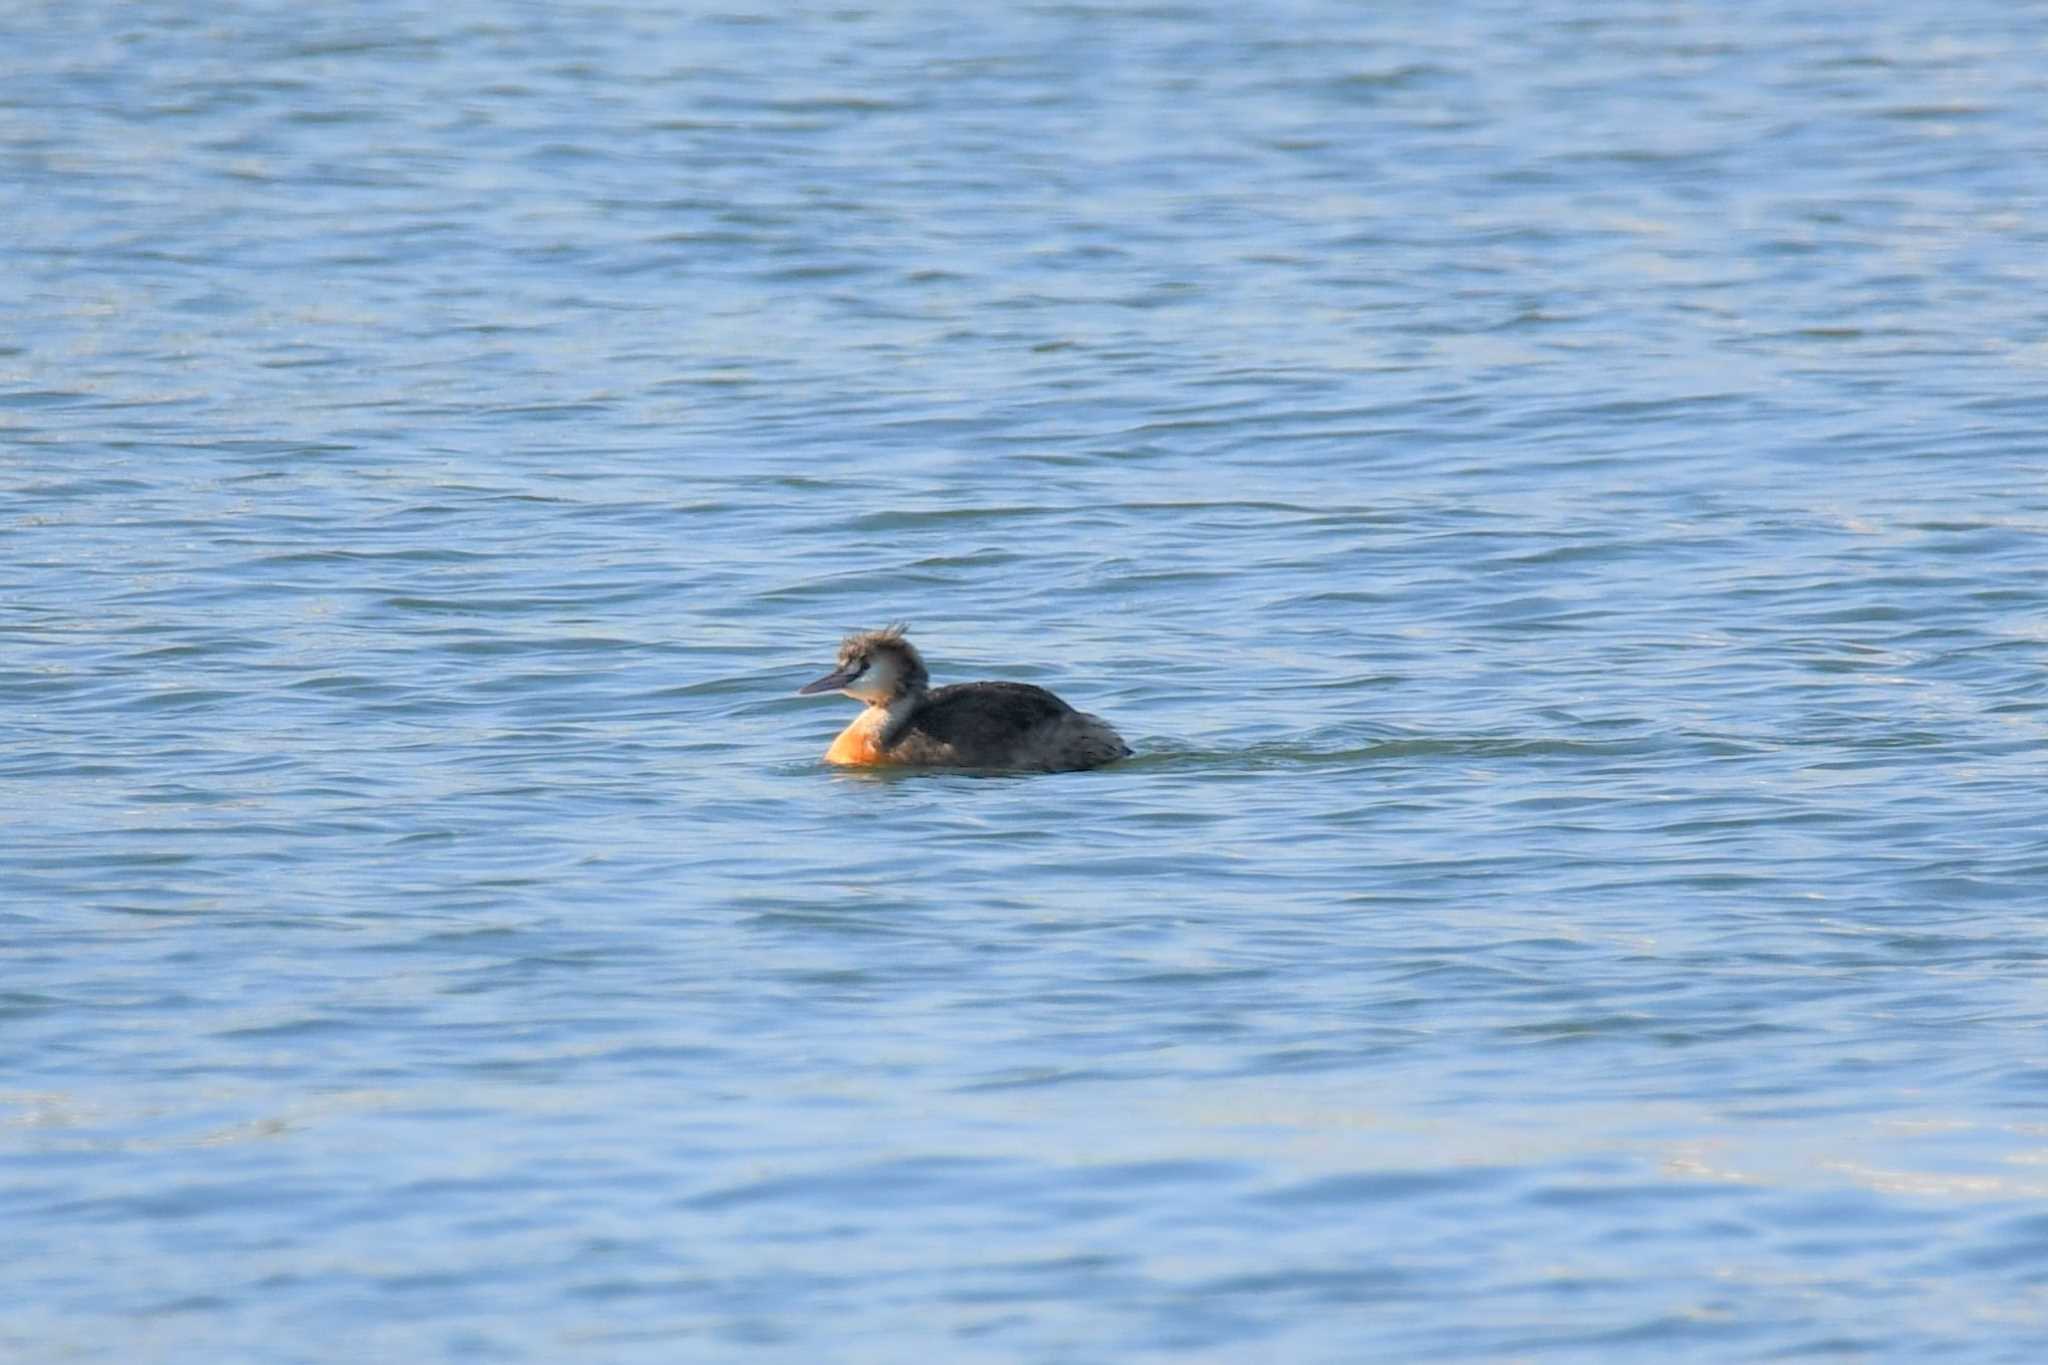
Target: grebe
966,725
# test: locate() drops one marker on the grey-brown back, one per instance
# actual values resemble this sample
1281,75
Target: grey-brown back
1004,725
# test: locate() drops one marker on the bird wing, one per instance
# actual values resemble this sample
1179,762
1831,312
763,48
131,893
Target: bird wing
968,716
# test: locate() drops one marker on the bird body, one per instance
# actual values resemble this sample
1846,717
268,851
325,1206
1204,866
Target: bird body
966,725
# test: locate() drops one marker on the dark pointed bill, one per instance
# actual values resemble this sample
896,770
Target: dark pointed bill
831,682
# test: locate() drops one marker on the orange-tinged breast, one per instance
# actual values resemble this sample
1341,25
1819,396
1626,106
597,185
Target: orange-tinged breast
856,747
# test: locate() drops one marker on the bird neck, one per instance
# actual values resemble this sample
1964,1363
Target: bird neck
892,716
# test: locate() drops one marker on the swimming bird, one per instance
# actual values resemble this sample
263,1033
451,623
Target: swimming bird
967,725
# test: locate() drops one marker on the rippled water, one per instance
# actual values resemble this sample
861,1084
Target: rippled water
1555,497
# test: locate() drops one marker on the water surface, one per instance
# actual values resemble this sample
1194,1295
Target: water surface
1556,501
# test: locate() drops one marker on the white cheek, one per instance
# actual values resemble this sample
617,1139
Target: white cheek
878,682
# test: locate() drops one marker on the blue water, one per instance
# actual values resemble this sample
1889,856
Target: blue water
1556,496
